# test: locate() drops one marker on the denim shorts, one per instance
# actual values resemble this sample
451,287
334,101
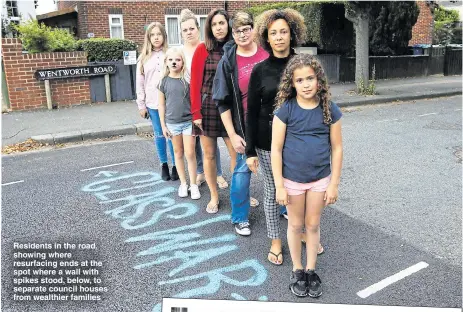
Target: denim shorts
184,128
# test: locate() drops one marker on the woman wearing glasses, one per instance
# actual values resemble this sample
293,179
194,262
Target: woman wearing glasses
230,93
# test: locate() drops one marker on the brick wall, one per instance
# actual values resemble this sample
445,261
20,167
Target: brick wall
422,30
26,92
63,4
93,15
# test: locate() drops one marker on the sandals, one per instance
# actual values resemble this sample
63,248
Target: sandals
200,179
221,183
213,209
253,202
277,256
320,251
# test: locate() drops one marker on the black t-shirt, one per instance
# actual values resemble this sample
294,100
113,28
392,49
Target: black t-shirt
262,90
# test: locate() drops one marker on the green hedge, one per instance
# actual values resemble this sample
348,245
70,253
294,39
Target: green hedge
38,38
311,11
105,50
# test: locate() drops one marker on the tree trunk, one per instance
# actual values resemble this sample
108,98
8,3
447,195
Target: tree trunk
361,51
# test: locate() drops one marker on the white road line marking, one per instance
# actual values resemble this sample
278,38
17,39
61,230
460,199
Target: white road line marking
458,110
9,183
106,166
387,120
391,279
427,114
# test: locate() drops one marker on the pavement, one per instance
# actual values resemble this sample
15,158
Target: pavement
101,120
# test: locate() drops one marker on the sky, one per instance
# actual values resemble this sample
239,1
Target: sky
45,6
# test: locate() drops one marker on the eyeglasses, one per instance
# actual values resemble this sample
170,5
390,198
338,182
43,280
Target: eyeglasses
244,31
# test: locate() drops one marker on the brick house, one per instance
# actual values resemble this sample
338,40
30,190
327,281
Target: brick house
423,29
127,19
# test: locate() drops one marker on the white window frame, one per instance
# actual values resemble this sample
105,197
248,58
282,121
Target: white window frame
13,18
167,16
110,17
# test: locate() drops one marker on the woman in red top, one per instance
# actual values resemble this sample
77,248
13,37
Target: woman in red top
206,117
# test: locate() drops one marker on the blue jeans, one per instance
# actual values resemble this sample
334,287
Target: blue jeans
199,159
239,190
159,139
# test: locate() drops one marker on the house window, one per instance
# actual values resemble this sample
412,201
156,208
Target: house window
12,10
116,26
174,33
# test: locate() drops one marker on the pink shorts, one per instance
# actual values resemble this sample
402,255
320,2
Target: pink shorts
296,188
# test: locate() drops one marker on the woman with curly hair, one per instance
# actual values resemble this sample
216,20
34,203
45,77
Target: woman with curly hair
279,32
306,157
206,117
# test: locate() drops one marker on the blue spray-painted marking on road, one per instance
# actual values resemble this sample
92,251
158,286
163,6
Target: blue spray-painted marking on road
141,207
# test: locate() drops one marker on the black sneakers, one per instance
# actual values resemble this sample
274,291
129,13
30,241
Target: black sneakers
174,174
165,172
298,284
304,284
314,284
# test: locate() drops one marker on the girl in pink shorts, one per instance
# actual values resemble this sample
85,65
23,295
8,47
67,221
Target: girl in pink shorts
306,156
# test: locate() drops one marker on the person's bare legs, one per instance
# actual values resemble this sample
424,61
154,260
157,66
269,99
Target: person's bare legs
177,142
189,143
232,153
313,209
210,168
296,212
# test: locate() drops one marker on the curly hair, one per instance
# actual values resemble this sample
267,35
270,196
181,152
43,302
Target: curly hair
286,90
295,21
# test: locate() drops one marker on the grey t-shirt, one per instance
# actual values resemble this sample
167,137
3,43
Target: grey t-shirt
177,93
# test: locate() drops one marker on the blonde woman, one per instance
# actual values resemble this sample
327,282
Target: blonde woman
149,71
191,36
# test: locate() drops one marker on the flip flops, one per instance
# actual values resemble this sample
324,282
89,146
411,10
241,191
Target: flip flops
253,202
276,256
222,183
213,209
320,250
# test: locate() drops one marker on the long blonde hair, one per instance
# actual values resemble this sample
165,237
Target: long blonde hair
147,49
183,72
286,90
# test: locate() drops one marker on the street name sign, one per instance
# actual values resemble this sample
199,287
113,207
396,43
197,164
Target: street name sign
73,72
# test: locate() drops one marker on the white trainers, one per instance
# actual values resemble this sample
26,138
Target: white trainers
243,228
194,192
183,190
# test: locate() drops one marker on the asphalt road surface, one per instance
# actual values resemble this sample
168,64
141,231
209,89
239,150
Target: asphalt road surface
397,222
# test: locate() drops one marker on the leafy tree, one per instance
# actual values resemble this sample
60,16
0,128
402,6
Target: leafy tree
358,12
444,26
391,25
